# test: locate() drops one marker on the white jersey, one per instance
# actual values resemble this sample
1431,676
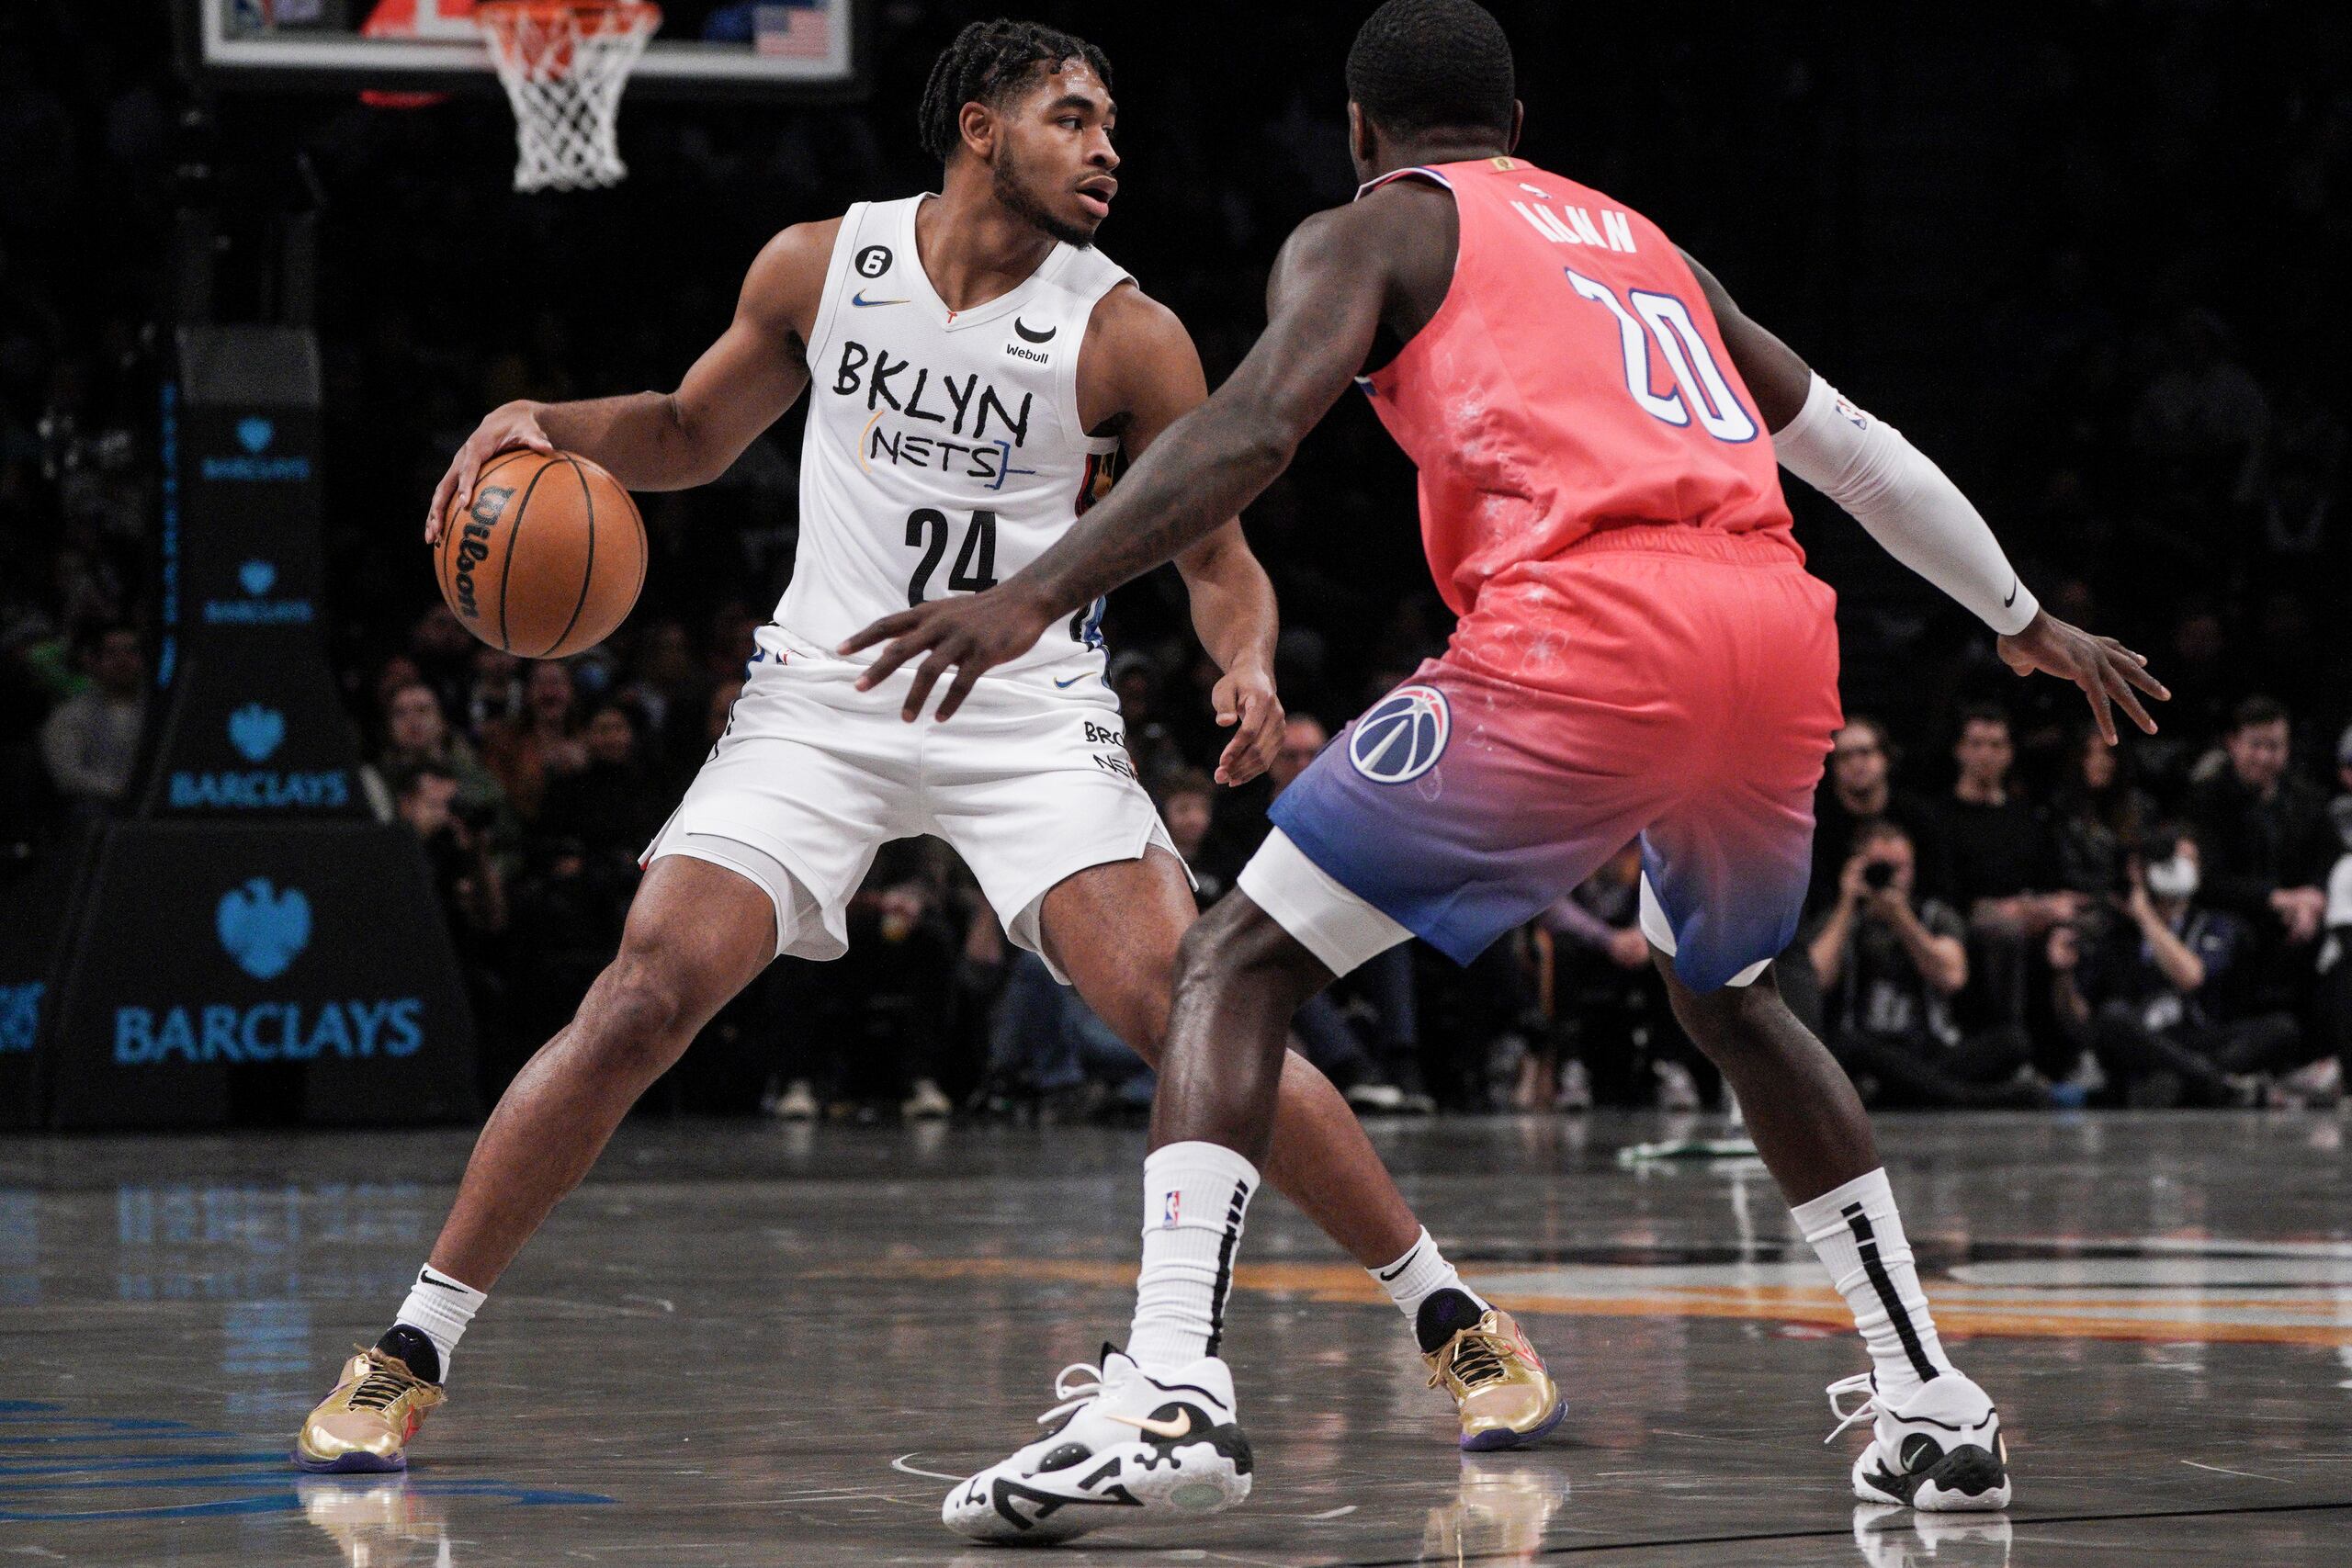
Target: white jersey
944,450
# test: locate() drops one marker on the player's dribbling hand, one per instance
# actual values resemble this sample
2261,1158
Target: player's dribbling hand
508,426
1245,703
970,633
2103,667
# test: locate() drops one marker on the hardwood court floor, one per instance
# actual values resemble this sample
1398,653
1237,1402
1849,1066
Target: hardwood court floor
742,1344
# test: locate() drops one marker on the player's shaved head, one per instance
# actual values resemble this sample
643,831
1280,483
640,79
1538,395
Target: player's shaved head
1422,65
991,64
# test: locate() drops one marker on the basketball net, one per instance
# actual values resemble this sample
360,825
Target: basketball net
564,63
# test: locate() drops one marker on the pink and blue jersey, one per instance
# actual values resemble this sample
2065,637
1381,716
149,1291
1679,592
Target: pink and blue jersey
1641,652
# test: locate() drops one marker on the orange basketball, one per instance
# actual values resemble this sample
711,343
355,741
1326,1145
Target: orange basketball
548,558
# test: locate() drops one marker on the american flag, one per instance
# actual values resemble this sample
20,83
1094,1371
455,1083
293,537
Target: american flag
799,30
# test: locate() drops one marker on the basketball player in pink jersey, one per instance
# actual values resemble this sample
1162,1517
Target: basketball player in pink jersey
1640,653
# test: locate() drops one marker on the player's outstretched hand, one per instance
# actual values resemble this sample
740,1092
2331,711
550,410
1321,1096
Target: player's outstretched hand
507,425
2103,667
1246,704
970,634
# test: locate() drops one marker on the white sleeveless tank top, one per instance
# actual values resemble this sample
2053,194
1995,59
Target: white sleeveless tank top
944,450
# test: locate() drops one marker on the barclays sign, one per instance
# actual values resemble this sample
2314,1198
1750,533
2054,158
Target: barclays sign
257,608
254,465
255,733
20,1016
263,929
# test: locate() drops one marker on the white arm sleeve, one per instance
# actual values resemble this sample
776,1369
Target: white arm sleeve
1904,501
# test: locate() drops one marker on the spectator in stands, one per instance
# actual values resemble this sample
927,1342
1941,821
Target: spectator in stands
543,743
1889,966
494,696
90,743
417,735
2098,816
667,686
2147,994
1304,739
1996,866
2266,840
472,891
1594,982
1858,788
611,805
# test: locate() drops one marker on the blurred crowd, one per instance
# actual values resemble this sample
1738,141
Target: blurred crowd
2004,912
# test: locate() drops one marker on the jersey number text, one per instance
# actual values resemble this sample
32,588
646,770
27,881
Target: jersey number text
1699,385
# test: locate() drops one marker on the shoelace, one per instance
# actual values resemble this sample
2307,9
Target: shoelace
380,1388
1861,1383
1077,1386
1477,1361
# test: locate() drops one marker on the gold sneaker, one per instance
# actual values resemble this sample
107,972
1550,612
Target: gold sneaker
1498,1383
366,1423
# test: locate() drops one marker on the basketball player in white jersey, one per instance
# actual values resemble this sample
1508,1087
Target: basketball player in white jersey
974,368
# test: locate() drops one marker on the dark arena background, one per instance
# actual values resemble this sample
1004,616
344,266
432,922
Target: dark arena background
296,876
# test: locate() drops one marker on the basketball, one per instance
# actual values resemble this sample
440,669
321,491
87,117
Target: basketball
547,559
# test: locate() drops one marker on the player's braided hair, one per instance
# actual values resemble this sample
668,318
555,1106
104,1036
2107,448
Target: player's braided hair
987,63
1421,65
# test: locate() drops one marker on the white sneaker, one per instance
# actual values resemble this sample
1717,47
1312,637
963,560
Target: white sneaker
1576,1088
926,1102
1677,1090
1120,1439
1940,1451
797,1103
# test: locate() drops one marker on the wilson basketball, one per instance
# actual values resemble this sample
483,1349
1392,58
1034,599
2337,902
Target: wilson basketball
547,559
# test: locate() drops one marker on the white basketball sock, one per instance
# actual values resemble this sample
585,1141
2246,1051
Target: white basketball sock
1859,1236
1421,1273
439,1308
1193,1198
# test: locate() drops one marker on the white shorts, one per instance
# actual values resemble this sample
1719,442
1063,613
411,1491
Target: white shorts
1345,932
1029,782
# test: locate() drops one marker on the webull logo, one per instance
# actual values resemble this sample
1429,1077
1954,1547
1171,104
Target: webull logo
256,732
264,929
473,544
257,609
255,434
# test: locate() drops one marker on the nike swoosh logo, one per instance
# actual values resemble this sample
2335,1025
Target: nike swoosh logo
435,1283
1392,1273
1181,1427
1066,686
2013,594
1031,335
859,298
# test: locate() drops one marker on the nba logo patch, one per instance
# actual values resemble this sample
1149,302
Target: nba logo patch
1170,1210
1403,736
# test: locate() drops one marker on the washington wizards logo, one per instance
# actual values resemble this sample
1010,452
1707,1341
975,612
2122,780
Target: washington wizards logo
1403,736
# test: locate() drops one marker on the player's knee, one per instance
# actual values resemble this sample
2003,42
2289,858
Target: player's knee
637,1018
1730,1020
1236,942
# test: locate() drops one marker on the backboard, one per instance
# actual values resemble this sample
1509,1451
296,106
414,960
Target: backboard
791,48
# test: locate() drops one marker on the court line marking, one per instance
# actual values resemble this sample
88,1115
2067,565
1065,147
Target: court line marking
1842,1534
2218,1470
903,1468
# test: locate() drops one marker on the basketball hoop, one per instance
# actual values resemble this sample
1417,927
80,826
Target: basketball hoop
563,64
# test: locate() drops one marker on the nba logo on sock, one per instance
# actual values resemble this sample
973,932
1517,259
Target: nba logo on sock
1168,1210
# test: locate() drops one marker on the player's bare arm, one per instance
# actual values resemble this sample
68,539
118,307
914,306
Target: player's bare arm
1140,374
740,385
1782,383
1326,302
